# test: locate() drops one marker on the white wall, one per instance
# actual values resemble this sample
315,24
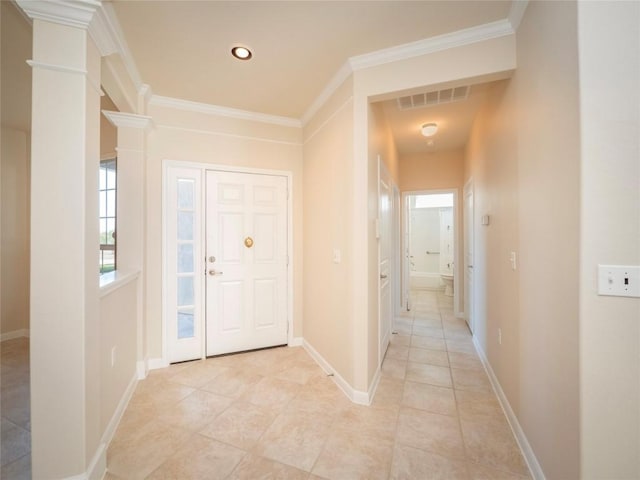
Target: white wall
609,54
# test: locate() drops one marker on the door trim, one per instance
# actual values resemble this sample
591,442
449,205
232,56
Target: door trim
457,239
202,168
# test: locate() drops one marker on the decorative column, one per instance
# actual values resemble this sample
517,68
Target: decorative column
132,131
65,389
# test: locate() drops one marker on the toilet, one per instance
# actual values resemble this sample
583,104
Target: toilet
448,284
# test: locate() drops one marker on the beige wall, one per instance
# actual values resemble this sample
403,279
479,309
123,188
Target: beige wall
484,59
432,171
524,158
609,40
15,98
118,311
197,137
328,157
439,171
15,216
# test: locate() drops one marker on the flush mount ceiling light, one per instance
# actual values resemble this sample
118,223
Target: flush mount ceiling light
241,52
429,129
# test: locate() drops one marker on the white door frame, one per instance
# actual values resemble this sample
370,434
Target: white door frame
456,240
203,167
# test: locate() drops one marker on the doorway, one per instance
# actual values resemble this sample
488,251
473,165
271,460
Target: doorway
430,242
227,272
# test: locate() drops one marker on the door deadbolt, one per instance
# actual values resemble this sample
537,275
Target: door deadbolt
212,259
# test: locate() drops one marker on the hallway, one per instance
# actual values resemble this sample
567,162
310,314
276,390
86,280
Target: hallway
275,414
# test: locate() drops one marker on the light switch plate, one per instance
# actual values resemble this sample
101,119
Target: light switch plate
619,280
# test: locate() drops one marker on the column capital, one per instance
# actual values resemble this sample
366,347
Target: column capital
73,13
129,120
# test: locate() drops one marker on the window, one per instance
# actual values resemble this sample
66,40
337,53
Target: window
108,215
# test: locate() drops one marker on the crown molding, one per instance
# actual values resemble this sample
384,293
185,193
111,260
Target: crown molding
129,120
446,41
338,79
216,110
487,31
109,38
516,12
73,13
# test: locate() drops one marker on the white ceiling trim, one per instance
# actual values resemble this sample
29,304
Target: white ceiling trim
73,13
338,79
406,51
106,32
129,120
517,12
216,110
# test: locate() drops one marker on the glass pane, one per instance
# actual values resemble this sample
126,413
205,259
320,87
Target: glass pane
103,231
111,177
185,291
103,204
185,225
108,261
185,258
185,324
111,203
111,228
185,193
103,178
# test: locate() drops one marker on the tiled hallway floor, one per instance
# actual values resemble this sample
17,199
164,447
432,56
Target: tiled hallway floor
275,414
15,429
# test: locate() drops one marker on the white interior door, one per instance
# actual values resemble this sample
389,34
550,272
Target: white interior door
385,256
246,254
468,255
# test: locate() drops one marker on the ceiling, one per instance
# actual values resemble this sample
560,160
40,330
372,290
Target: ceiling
454,120
182,48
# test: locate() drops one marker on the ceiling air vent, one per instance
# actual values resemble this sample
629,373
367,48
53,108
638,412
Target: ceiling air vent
436,97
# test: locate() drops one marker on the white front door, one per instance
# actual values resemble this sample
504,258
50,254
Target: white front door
385,256
468,255
246,261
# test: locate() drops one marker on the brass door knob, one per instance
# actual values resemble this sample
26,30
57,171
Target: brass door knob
248,242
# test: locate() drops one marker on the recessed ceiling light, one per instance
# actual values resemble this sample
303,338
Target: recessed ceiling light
429,129
241,53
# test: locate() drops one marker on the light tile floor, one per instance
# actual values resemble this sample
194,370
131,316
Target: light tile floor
274,414
15,426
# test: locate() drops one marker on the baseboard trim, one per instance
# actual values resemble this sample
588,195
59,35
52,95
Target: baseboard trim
356,396
23,332
141,369
296,342
97,467
527,452
156,363
110,431
374,385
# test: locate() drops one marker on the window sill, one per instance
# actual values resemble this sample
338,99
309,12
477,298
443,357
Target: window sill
112,281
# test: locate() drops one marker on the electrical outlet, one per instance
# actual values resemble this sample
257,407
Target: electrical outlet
499,336
512,259
113,356
619,280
